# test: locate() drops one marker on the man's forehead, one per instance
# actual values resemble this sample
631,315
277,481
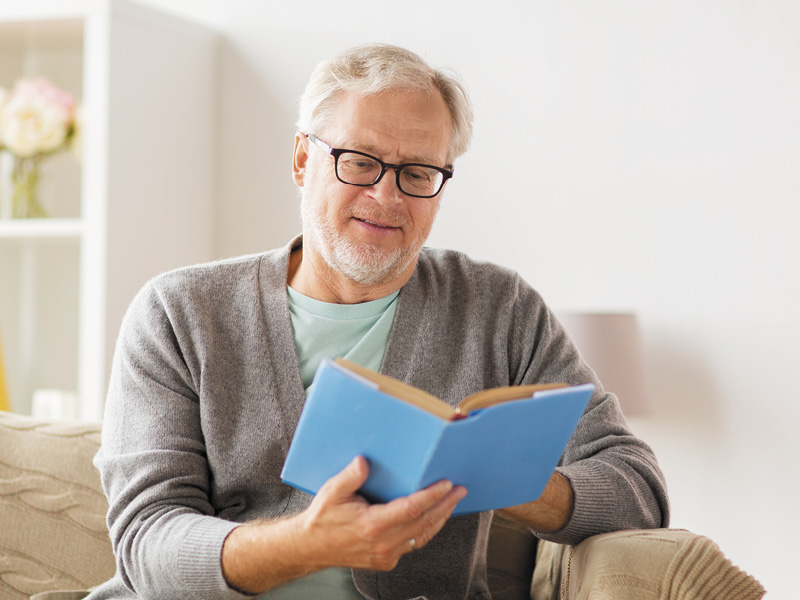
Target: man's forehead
356,143
415,125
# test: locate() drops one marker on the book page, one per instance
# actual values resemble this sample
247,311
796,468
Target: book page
492,396
403,391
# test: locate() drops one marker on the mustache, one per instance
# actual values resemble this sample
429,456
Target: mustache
377,215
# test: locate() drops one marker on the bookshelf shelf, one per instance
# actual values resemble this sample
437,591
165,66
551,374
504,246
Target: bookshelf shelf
34,229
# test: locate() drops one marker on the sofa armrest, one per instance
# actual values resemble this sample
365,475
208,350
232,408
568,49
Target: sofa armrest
656,564
53,533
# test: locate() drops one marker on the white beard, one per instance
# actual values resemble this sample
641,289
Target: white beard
362,263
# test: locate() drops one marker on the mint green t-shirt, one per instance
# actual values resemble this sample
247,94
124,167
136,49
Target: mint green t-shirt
359,332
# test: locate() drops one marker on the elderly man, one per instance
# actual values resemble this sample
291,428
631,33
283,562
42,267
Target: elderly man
213,362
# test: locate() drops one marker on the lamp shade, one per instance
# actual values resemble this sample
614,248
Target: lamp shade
611,344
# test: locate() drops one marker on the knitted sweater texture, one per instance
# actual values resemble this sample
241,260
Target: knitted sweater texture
205,394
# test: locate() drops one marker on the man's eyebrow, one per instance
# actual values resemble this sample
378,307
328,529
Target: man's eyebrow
370,149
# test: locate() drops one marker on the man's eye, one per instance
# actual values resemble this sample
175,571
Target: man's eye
417,175
359,164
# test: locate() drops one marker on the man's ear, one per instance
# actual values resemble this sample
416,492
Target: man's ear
300,159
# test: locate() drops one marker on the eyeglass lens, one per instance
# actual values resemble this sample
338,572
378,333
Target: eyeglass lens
415,180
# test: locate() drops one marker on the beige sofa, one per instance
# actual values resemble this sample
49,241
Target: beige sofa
53,537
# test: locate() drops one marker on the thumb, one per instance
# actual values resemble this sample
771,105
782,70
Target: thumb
348,481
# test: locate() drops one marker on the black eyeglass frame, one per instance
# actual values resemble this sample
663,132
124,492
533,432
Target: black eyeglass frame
337,152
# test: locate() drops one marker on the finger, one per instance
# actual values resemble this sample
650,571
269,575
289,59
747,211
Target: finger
420,516
426,528
348,481
412,507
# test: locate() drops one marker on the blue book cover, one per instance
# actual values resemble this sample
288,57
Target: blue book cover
504,453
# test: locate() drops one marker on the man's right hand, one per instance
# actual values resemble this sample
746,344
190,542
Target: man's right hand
360,535
339,528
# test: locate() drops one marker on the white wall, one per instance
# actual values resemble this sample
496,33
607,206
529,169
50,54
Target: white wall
627,155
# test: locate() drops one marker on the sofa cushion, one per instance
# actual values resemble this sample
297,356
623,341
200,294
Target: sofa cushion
653,564
53,533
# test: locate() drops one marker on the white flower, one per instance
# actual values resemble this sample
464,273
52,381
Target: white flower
3,98
36,118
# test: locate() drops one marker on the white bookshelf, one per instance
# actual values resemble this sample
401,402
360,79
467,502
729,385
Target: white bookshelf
31,229
137,203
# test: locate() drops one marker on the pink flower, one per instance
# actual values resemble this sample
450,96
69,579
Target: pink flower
36,118
42,88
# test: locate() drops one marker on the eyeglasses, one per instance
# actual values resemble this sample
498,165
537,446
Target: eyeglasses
358,168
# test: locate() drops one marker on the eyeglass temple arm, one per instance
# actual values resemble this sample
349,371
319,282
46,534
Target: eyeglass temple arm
318,142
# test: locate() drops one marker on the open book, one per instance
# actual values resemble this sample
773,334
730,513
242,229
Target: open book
502,444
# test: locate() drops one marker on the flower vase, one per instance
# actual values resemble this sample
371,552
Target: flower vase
25,189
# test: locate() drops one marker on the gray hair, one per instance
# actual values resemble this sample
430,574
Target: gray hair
375,68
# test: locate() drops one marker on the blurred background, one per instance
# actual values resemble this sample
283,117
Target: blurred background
636,157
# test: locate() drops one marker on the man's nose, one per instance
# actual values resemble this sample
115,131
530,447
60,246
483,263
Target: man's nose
386,191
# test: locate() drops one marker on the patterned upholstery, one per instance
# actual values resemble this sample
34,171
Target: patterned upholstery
653,564
52,511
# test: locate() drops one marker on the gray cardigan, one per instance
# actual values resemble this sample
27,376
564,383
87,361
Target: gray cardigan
205,394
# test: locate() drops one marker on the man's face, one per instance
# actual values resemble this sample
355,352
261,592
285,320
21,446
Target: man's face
372,235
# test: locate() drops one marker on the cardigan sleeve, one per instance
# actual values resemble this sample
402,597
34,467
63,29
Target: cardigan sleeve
615,477
154,467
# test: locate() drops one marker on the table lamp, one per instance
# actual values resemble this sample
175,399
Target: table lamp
612,346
